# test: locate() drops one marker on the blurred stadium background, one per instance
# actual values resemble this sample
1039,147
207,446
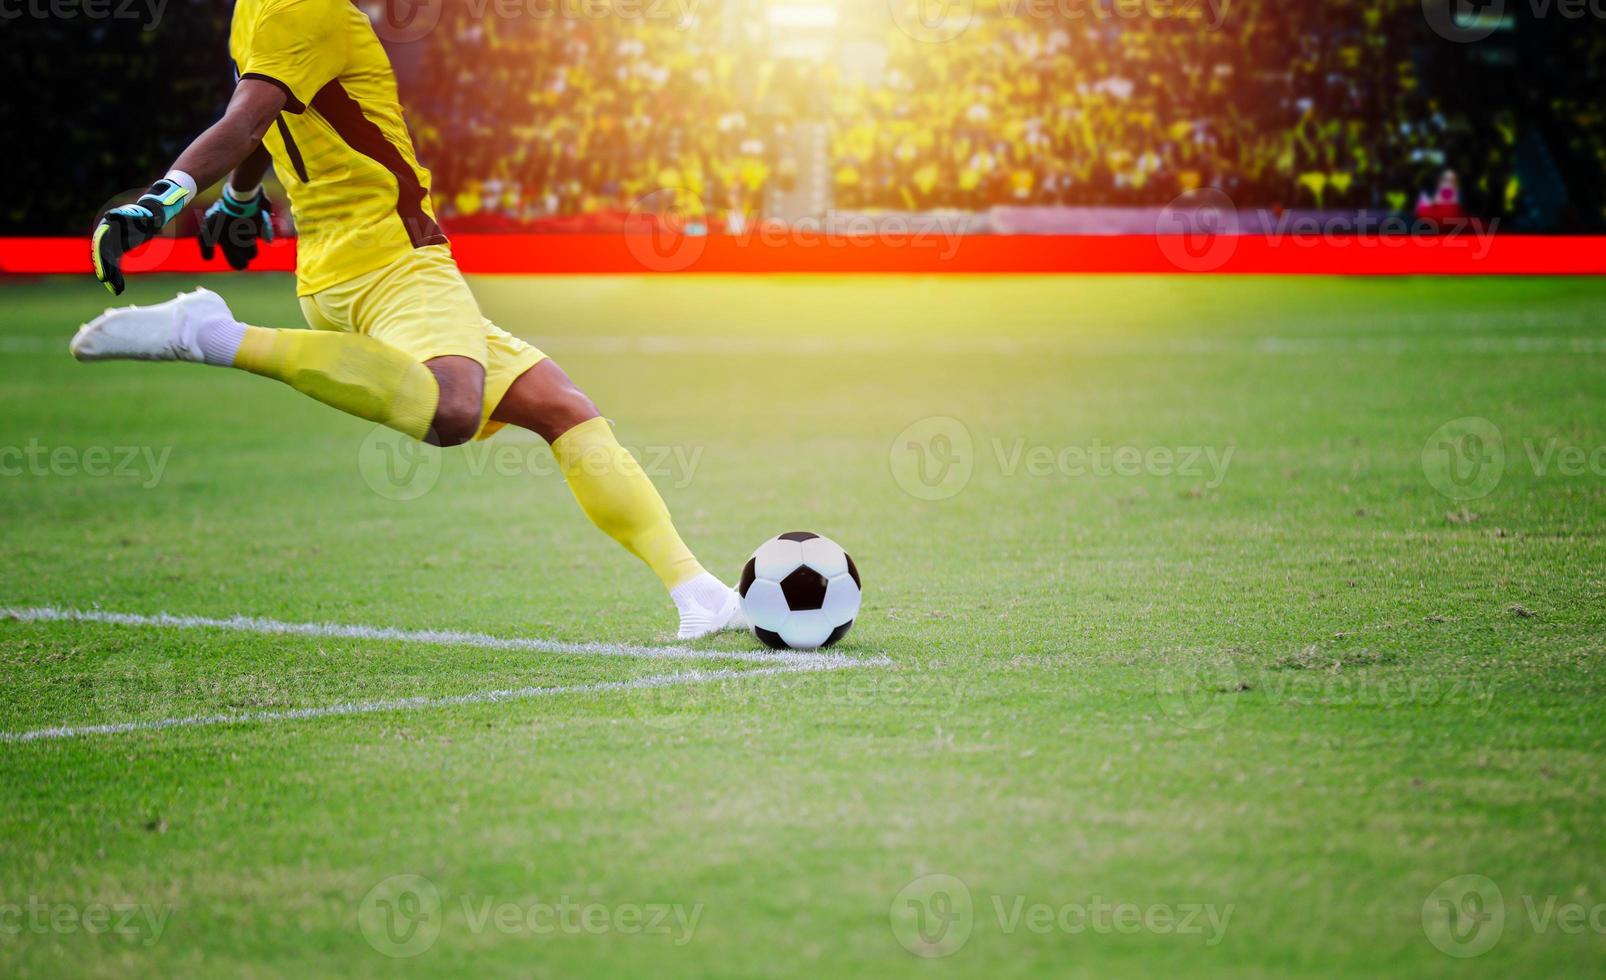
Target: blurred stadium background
1022,116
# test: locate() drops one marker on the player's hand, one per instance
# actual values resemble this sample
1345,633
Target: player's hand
235,226
124,229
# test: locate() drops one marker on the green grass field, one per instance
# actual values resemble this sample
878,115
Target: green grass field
1208,657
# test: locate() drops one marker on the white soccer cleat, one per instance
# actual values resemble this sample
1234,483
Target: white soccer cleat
169,331
707,606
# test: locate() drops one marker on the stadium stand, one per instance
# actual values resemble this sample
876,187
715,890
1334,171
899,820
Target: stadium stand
729,111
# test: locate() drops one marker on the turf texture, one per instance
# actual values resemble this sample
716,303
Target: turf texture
1232,624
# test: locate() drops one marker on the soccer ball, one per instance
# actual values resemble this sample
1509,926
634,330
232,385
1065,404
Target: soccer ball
800,591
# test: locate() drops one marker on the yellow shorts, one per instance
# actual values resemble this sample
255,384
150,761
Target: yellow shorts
421,304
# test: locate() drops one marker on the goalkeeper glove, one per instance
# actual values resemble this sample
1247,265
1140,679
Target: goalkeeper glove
235,225
123,229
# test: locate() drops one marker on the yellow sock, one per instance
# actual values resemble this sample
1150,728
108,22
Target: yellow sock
620,500
359,375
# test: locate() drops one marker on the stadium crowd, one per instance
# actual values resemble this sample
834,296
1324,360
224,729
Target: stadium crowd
524,119
1303,105
560,120
1297,105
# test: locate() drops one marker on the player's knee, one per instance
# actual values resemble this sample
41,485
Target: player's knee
457,416
570,406
458,411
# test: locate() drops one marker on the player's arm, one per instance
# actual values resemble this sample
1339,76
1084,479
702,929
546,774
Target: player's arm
235,137
241,215
248,175
227,144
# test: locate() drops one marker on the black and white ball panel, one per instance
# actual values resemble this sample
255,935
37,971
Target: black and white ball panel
800,591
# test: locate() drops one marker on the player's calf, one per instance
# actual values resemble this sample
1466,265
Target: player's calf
618,496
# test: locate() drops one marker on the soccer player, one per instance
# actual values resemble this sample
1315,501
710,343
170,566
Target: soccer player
397,337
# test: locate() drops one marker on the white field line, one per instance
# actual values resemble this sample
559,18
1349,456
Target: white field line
348,708
454,638
784,662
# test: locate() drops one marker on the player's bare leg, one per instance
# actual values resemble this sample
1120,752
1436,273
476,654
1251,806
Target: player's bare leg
462,399
616,494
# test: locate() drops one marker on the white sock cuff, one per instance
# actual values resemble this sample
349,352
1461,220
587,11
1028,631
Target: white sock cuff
220,340
183,180
705,590
241,197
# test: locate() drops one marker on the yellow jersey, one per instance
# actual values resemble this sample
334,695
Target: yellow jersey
341,146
